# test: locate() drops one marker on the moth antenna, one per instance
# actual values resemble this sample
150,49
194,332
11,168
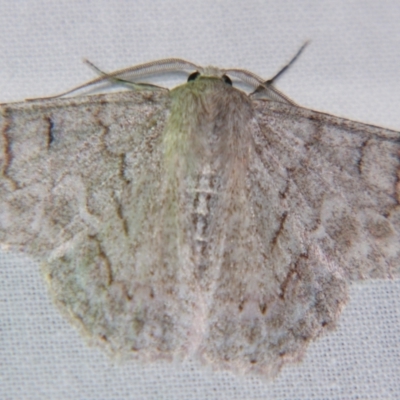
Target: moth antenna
150,68
265,89
96,69
288,65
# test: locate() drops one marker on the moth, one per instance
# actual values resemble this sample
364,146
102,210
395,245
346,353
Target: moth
201,221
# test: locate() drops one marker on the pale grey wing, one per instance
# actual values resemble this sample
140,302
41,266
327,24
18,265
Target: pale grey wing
342,179
274,289
83,190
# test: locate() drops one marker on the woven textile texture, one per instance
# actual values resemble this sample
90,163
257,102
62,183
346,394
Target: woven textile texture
350,69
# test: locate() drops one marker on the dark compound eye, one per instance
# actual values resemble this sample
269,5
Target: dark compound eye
227,79
193,76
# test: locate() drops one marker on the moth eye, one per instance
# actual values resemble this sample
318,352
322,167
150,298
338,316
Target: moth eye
227,80
193,76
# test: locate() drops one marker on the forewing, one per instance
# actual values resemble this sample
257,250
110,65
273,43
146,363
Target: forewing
316,206
342,179
83,189
274,288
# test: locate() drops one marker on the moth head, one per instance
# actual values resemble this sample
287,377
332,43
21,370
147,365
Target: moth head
210,72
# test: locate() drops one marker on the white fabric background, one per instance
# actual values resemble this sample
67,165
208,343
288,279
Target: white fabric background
350,69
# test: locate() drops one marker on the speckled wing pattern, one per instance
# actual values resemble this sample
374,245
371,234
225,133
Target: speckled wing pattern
83,190
320,208
199,221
